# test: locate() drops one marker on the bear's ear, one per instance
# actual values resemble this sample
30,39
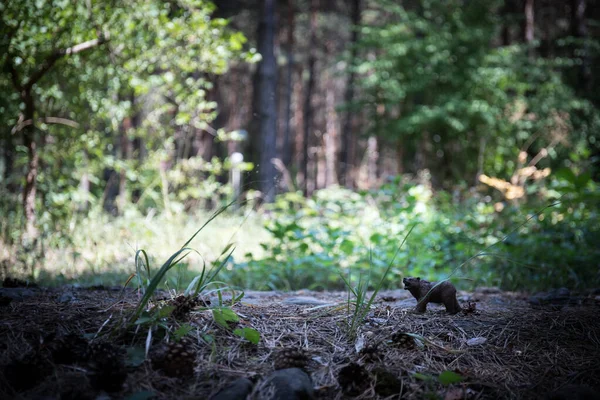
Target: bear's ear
419,278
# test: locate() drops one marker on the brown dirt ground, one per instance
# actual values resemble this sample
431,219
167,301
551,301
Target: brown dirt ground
527,352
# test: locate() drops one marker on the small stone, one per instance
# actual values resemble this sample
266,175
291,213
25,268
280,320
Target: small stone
66,297
286,384
305,301
17,294
236,390
476,341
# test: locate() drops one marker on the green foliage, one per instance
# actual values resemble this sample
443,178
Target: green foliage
157,316
316,240
431,80
251,335
560,246
200,283
224,315
148,83
449,377
357,235
357,295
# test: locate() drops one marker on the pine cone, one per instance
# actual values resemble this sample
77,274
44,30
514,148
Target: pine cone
403,340
354,379
69,349
74,387
28,371
107,367
176,359
290,358
183,306
370,353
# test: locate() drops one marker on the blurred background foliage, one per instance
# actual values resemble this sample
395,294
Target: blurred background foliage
476,121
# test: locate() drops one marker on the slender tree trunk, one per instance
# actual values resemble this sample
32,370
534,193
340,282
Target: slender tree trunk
347,134
298,122
33,159
579,30
8,153
124,155
372,157
287,147
330,136
529,27
400,157
308,110
507,15
266,102
480,158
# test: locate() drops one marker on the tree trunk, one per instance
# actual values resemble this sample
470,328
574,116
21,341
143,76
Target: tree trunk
286,150
372,157
580,31
347,134
507,16
124,156
84,185
33,159
8,154
308,110
267,71
330,136
529,28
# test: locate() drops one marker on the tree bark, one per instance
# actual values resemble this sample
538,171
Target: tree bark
580,31
330,136
347,134
33,159
286,150
529,27
267,71
372,157
8,154
308,110
124,156
507,16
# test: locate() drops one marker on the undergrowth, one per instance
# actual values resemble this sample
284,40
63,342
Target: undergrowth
307,243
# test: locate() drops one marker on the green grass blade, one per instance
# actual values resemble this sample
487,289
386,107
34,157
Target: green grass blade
155,281
215,215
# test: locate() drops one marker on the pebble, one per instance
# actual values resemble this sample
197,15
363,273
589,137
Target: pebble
236,390
287,384
305,301
17,294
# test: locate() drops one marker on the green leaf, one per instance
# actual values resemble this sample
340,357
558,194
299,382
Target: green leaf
135,356
347,247
144,320
423,377
582,180
165,311
182,331
224,315
252,335
566,174
450,377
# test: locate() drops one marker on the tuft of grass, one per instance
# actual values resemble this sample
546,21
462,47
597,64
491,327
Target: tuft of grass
148,282
357,296
142,266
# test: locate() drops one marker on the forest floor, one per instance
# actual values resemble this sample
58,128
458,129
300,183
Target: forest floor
500,346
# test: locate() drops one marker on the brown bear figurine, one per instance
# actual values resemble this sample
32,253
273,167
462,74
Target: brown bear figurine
444,293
